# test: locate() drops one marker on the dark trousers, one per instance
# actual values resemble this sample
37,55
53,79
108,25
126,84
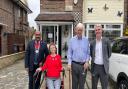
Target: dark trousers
78,76
99,73
34,82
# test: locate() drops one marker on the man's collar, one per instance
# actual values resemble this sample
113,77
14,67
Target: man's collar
100,39
37,41
79,38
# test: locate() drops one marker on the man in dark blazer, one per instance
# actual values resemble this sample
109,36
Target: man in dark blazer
35,56
100,51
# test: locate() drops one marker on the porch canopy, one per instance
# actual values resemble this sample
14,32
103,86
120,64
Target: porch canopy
66,17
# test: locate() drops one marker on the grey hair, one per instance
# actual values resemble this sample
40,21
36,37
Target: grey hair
80,25
98,25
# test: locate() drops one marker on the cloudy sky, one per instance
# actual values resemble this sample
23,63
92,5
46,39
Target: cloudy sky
34,5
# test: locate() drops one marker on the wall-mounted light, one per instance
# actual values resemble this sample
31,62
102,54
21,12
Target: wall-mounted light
75,1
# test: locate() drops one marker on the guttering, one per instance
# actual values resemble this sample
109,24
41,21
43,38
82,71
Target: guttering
2,24
21,4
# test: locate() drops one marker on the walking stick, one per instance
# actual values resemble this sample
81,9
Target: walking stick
43,75
62,81
36,74
69,79
37,77
86,80
87,84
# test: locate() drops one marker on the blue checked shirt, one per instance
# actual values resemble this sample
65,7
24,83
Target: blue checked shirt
78,50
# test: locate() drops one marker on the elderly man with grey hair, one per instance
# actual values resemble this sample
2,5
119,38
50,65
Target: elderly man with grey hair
100,51
78,57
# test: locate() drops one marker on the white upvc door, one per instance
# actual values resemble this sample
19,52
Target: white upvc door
50,33
56,36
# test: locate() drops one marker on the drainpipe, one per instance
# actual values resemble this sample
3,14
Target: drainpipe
13,17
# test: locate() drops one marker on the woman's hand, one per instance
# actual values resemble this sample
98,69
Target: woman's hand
38,69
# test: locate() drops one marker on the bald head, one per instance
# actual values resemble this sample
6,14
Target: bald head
79,29
37,35
80,25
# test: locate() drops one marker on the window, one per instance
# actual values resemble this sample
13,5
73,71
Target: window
120,46
102,26
91,35
91,26
48,34
113,26
112,34
111,31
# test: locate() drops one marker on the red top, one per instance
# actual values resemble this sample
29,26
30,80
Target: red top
53,66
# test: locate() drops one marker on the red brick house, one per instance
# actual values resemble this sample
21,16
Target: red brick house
13,25
57,19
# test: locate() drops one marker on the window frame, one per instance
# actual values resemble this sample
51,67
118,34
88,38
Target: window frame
120,48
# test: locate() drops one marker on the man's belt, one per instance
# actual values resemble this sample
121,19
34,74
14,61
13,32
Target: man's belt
98,64
80,63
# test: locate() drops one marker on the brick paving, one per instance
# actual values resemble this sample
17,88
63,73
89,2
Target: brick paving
15,77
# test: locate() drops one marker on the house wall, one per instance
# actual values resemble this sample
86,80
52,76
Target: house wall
13,19
99,14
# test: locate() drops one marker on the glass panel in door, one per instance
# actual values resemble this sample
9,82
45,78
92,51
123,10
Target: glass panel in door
49,34
65,33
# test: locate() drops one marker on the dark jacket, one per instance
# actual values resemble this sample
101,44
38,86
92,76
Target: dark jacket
106,49
30,54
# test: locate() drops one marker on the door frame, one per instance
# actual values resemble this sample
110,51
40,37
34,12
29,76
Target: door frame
48,23
55,33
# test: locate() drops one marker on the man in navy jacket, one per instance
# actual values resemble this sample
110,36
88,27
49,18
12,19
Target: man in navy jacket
35,56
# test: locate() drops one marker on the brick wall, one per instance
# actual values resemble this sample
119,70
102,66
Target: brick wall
10,59
13,20
15,43
125,13
6,13
6,17
63,6
59,5
52,5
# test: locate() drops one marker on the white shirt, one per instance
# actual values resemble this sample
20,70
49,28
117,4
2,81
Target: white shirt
98,53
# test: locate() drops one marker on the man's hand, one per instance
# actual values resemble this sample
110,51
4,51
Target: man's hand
69,67
27,69
86,65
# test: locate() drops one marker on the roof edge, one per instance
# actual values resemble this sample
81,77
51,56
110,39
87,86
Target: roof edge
21,4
